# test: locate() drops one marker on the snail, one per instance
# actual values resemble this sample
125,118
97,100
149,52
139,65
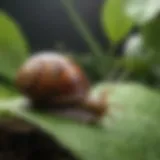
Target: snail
55,81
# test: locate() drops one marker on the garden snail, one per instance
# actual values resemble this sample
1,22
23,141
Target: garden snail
57,81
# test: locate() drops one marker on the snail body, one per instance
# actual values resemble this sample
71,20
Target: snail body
57,81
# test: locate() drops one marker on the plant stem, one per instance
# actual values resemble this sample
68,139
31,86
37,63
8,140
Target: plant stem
83,29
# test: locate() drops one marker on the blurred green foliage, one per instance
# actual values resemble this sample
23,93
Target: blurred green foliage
142,11
13,47
130,129
115,22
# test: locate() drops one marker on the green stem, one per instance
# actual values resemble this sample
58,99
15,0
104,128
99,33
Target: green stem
83,29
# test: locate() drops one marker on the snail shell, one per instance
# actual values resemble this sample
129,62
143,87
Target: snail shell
48,75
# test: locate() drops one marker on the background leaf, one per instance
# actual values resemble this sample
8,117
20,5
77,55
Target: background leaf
136,57
7,92
151,35
13,47
142,11
134,47
115,22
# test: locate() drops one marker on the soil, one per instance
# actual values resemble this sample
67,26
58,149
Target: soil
30,146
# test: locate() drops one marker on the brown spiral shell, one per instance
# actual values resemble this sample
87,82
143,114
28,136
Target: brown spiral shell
49,75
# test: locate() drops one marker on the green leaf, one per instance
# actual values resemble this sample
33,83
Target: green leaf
136,58
136,65
6,92
134,46
13,47
102,65
151,35
142,11
129,131
115,22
